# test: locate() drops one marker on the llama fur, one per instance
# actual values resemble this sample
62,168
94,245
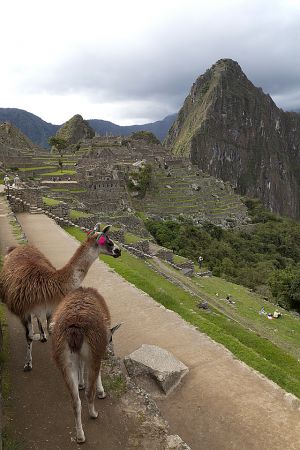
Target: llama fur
30,284
81,334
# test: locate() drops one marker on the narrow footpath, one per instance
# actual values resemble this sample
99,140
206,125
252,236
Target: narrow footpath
38,413
221,405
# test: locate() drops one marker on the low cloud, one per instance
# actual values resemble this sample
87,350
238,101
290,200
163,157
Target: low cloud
142,68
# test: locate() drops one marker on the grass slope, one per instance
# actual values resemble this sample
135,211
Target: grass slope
255,350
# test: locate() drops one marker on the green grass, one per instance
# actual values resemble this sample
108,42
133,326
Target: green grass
132,238
74,190
16,230
8,441
141,215
50,201
177,259
28,169
284,332
255,350
58,173
4,354
115,386
74,214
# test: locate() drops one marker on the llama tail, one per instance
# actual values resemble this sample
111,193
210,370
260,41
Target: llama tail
10,249
74,337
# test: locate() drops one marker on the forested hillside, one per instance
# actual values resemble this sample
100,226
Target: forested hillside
264,255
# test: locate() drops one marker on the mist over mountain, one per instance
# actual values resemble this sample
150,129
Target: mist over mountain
39,131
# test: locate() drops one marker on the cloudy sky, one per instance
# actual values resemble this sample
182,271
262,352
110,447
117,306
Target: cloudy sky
134,61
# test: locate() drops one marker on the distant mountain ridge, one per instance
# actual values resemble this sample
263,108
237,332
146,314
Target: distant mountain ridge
39,131
159,128
35,128
12,137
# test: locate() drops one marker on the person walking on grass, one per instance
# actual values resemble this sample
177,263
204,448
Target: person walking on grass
200,260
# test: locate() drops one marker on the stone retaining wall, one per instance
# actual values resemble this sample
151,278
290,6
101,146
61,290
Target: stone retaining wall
23,198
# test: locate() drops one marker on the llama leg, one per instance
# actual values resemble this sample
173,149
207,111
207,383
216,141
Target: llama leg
100,390
91,391
49,317
30,327
71,378
29,337
43,337
81,384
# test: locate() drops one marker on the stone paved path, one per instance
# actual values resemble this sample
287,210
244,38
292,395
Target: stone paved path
222,404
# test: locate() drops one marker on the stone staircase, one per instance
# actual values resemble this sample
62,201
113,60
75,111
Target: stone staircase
35,210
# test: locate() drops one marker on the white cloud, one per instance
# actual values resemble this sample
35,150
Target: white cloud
136,60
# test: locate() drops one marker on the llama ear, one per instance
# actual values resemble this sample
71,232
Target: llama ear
97,227
106,229
115,328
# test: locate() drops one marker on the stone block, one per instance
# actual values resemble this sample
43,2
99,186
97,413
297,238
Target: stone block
157,363
174,442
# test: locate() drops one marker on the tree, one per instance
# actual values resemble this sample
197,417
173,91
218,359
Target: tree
284,285
59,143
60,163
140,180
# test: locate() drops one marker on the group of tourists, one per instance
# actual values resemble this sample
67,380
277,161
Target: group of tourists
16,181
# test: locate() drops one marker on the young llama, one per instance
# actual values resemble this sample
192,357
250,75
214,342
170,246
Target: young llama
81,332
30,284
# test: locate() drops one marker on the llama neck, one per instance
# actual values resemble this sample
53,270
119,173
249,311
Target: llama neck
73,273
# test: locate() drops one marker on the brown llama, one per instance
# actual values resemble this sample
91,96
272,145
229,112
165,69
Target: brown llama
30,285
81,332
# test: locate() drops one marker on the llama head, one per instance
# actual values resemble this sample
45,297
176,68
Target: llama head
114,329
102,241
110,345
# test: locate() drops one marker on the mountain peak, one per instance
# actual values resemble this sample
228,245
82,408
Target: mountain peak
233,130
75,129
227,63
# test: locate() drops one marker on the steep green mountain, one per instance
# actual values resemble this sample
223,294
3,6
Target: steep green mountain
36,129
75,129
39,131
233,131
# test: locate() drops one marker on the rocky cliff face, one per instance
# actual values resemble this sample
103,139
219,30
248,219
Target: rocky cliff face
75,130
234,131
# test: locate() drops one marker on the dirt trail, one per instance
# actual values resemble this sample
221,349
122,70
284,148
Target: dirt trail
222,404
39,414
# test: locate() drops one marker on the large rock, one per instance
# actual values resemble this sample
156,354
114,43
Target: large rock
157,363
